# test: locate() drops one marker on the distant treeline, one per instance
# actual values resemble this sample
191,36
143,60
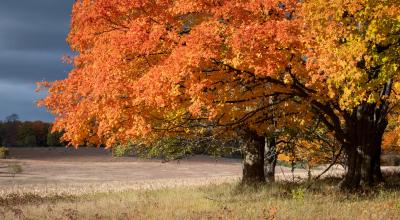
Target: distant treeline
16,133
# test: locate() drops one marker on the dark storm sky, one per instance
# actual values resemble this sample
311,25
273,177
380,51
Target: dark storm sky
32,43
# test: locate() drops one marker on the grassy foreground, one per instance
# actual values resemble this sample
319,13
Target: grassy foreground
224,201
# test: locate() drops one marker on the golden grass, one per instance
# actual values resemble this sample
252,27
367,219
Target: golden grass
217,201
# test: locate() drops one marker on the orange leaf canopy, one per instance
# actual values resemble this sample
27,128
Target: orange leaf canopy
162,65
142,65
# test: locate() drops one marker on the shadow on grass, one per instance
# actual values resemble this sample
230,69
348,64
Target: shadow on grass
287,190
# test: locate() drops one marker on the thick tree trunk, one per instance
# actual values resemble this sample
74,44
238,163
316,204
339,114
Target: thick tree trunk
376,166
270,158
253,162
363,148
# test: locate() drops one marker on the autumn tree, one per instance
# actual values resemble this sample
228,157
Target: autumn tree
16,133
148,67
145,68
353,51
10,130
54,139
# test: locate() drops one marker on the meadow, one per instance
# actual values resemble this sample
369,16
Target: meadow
283,200
93,185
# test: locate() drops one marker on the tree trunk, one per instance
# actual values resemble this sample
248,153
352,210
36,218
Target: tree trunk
365,128
253,162
270,158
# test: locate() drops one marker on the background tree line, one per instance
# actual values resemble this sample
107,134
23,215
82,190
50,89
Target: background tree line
16,133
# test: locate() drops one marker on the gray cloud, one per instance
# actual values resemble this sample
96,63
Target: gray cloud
20,98
32,42
39,24
31,66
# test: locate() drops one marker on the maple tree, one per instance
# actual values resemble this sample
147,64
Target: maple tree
148,66
159,67
354,55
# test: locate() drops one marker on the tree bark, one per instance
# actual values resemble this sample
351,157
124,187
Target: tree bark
270,158
364,129
253,162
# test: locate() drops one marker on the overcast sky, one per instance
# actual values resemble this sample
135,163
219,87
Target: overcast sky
32,43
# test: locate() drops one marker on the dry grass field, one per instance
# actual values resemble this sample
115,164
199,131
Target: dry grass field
215,201
87,170
90,184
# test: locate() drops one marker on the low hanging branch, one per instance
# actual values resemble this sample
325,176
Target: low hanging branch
330,165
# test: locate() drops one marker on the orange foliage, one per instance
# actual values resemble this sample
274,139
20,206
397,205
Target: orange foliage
145,66
161,65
